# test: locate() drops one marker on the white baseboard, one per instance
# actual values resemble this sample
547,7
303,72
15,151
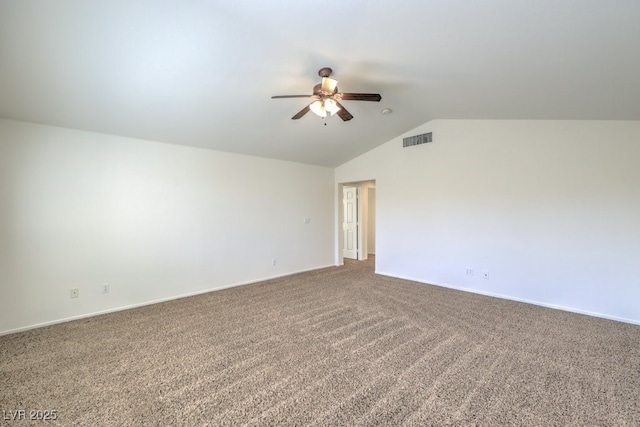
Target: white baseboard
157,301
511,298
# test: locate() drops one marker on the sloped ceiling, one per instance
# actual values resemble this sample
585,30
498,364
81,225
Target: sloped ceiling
201,73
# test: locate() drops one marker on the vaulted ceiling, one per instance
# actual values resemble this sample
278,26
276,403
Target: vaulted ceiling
202,72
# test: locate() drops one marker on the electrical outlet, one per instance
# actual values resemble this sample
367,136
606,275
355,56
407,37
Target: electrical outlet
469,271
306,220
273,262
485,274
105,288
75,293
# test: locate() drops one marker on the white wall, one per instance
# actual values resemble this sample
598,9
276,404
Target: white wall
550,208
156,221
363,219
371,221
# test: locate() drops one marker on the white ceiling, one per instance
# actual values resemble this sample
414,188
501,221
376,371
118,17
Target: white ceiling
201,72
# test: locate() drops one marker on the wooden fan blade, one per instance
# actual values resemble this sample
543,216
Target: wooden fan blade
375,97
294,96
301,113
343,113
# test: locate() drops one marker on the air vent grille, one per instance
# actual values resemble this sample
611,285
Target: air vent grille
417,140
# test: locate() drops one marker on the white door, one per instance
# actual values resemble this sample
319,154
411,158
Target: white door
350,222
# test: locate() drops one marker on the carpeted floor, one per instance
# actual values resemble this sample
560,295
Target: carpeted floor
338,346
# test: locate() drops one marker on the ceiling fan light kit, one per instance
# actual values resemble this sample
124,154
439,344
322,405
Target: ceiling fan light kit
327,98
325,107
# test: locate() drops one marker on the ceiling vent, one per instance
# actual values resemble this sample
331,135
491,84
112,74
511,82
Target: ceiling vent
416,140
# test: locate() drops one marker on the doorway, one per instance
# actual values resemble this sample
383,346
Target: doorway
356,220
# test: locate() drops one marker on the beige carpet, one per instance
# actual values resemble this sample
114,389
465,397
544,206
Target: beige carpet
338,346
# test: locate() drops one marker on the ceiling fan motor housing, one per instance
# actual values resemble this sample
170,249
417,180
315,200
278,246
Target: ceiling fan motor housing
317,90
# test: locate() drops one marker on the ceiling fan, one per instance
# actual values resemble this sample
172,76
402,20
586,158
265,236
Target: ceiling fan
327,98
